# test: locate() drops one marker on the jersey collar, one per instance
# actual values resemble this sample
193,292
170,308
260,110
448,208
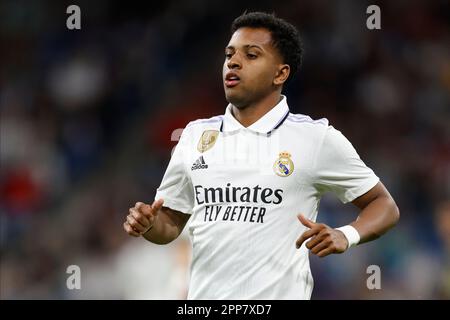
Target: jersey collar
266,124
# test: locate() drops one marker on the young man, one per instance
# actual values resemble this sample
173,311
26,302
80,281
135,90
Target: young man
251,180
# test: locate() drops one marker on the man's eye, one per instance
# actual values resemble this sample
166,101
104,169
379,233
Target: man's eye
251,56
228,55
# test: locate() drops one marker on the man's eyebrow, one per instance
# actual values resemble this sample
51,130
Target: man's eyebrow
253,46
247,46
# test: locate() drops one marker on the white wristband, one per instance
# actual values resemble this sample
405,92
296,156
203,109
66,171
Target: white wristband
351,234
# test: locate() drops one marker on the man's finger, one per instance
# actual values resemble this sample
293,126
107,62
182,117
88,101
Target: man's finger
320,246
137,205
306,222
306,235
145,209
150,210
142,219
326,252
130,230
135,224
157,205
315,240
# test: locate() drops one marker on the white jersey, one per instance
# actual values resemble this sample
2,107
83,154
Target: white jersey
244,188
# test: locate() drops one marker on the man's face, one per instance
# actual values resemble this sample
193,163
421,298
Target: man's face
251,66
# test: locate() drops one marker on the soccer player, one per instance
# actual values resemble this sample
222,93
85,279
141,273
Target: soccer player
250,181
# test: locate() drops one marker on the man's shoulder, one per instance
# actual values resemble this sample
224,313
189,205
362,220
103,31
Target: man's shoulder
317,129
302,120
215,121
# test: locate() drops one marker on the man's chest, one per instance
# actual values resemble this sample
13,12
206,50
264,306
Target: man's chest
248,180
249,159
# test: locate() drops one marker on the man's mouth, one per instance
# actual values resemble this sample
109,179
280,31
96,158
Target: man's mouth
231,80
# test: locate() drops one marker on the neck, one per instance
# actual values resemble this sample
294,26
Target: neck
253,112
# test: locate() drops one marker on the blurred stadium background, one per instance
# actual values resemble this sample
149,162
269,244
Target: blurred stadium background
86,119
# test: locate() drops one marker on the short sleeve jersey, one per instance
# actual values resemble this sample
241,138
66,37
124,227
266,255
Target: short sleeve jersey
244,187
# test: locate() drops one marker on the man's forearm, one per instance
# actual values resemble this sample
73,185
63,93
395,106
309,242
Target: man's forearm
376,218
166,227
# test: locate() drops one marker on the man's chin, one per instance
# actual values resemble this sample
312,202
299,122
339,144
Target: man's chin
236,101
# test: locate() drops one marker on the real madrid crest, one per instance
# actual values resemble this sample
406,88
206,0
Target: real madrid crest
283,166
207,140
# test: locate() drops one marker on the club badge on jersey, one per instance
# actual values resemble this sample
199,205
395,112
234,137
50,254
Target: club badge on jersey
283,166
207,140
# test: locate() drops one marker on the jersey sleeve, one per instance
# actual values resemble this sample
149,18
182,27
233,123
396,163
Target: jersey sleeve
339,168
176,186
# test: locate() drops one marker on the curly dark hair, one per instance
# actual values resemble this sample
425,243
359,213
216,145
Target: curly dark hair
285,37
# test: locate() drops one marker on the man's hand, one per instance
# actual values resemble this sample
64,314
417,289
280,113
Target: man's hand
142,217
325,240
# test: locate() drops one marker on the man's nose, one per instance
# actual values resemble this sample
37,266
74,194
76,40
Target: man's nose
234,63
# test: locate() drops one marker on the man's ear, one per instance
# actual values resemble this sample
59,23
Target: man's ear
282,74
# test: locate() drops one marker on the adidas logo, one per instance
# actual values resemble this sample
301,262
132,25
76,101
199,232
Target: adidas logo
199,164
